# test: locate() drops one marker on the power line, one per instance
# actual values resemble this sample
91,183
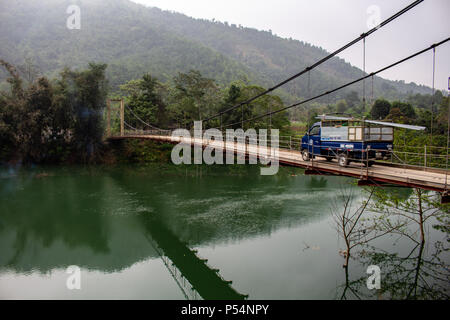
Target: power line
347,84
351,43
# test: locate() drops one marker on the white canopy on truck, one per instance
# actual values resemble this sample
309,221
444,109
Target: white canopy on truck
387,124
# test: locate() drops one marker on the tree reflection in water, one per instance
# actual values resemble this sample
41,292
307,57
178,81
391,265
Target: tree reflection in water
420,273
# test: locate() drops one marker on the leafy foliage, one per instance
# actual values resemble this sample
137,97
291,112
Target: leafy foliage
380,109
134,41
46,122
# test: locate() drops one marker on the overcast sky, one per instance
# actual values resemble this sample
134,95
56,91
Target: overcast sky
331,24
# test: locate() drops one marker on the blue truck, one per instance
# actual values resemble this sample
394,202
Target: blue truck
347,139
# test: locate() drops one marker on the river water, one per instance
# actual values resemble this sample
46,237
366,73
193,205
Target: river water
145,232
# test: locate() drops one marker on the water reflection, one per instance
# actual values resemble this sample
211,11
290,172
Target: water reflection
203,279
317,182
414,276
413,258
109,220
68,219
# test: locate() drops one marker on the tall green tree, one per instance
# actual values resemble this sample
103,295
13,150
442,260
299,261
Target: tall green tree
86,91
352,99
35,120
145,101
258,107
380,109
406,109
194,97
341,106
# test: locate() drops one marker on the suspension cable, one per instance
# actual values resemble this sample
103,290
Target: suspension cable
371,99
129,126
349,83
328,57
432,96
364,73
137,117
309,96
448,134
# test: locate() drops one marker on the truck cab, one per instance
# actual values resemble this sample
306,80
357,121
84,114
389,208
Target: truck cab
311,141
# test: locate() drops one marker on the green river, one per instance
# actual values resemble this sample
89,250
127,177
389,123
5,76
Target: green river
145,232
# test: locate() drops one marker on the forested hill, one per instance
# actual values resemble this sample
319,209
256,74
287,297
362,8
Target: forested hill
133,40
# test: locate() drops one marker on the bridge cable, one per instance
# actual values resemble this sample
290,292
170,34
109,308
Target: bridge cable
364,73
130,126
309,96
137,117
432,95
328,57
371,99
347,84
448,134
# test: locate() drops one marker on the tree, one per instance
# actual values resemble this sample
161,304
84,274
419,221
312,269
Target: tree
312,118
29,70
36,121
350,223
145,102
258,107
443,114
406,110
355,230
86,92
396,115
417,273
352,99
341,106
194,95
411,276
233,96
380,109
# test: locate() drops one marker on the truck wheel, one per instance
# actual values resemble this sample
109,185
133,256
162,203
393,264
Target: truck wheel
305,155
343,160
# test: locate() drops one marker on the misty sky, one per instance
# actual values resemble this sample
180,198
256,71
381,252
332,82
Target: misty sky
331,24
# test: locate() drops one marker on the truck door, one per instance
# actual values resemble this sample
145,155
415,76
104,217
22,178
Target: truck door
314,140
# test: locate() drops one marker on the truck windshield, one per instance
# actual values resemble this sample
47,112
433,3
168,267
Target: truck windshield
315,131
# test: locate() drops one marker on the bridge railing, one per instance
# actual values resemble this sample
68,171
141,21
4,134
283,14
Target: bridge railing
421,157
424,157
155,132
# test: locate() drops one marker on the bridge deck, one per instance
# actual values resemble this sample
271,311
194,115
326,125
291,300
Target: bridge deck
404,176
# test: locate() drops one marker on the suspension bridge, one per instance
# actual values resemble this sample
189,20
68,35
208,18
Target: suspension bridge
415,167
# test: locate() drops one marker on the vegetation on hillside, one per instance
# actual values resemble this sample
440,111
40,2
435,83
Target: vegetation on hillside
47,121
63,120
134,41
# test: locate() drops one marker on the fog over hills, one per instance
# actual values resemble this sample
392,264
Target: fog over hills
133,40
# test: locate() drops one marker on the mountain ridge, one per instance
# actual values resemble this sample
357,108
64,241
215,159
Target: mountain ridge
133,39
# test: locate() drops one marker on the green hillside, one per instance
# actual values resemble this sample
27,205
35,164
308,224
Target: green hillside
134,40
